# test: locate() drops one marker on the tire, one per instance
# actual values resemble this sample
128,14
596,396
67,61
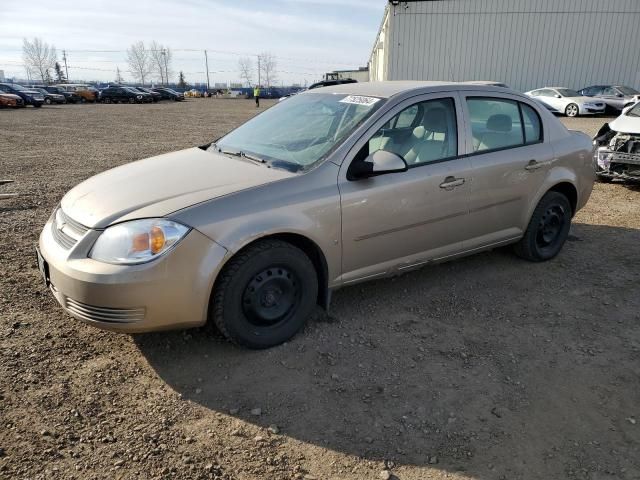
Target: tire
83,100
548,229
572,110
37,105
47,101
264,295
107,100
132,100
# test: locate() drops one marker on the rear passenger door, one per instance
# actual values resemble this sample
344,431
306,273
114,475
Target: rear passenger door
509,161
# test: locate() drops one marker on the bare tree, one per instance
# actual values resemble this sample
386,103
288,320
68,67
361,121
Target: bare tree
139,60
268,64
39,58
161,58
119,78
245,65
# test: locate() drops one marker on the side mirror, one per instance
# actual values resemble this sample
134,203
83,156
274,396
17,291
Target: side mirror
558,96
379,162
619,95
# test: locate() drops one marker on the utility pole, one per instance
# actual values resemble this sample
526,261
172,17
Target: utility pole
258,70
166,68
206,63
64,57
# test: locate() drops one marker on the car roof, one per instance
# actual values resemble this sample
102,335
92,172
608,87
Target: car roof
388,89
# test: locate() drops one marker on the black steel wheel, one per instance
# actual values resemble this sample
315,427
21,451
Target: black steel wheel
548,228
265,294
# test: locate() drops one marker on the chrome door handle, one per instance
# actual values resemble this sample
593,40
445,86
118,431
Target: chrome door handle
451,182
533,165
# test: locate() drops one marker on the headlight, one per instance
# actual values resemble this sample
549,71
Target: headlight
138,241
139,97
603,158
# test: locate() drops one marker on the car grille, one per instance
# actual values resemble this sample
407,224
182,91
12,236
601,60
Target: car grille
104,314
66,231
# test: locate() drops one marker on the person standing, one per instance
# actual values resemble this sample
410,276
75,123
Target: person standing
256,95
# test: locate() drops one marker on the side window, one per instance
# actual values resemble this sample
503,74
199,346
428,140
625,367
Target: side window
434,138
407,117
532,124
609,91
495,123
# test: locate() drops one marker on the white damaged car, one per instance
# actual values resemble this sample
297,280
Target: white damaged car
567,102
618,147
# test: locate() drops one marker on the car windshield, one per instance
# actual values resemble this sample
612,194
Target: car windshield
634,111
17,87
300,132
628,91
565,92
131,89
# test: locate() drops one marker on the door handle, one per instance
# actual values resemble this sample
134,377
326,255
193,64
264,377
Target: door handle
533,165
451,182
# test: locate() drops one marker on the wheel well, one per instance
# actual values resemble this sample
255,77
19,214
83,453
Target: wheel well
311,249
569,191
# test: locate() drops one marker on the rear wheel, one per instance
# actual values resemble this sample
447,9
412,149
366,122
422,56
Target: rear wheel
547,230
47,101
265,294
132,100
107,100
572,110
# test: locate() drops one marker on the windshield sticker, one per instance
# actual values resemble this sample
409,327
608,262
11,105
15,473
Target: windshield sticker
360,100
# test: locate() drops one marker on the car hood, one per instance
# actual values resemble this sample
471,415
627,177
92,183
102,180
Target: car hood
11,95
626,124
158,186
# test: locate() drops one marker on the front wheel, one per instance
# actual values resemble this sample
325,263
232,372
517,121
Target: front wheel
47,101
572,110
547,230
132,100
265,294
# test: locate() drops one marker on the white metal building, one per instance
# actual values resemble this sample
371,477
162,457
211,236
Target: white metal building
523,43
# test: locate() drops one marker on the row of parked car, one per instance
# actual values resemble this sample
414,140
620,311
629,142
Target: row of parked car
14,95
597,99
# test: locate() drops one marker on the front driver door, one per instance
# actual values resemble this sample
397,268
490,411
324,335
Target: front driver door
401,220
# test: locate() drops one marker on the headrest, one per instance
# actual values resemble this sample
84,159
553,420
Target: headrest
419,132
499,123
435,120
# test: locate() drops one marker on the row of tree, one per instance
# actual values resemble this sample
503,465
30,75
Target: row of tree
147,62
40,59
266,69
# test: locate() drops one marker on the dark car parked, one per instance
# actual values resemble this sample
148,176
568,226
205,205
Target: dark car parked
154,95
616,97
331,83
169,94
71,97
50,98
30,97
148,97
124,95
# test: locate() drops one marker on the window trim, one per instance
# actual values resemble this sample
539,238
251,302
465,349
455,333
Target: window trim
510,147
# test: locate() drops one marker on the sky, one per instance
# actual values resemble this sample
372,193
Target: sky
307,37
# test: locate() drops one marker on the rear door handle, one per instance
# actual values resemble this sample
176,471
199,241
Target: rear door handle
533,165
451,182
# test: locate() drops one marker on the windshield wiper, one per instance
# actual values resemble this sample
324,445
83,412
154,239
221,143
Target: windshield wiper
241,154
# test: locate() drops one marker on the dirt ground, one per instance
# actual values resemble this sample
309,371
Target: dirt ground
484,368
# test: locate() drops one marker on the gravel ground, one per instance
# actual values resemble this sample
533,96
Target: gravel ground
484,368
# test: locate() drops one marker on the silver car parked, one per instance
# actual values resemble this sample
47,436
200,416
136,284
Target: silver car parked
335,186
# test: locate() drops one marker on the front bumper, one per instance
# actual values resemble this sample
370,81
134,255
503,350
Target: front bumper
618,165
591,110
168,293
